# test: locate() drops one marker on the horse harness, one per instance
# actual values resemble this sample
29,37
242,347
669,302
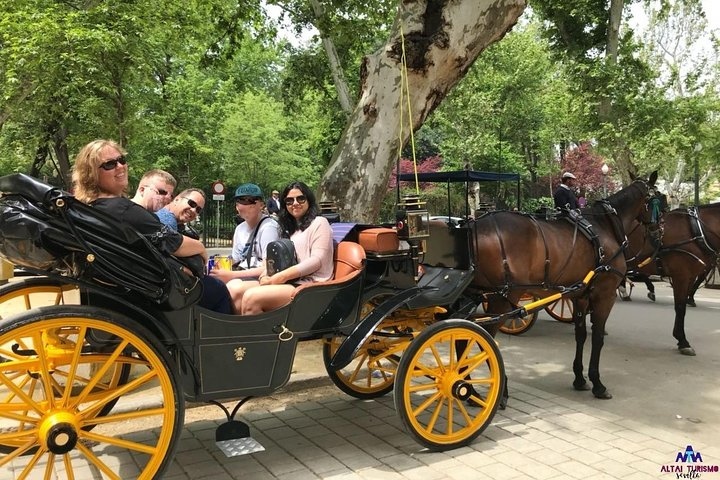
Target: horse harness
582,225
697,236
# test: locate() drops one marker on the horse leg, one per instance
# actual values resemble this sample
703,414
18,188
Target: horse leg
622,290
694,289
598,317
680,295
579,309
650,286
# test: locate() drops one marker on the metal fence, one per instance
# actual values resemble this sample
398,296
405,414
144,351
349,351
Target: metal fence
217,223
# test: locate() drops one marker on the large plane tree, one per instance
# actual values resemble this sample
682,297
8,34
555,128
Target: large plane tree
442,39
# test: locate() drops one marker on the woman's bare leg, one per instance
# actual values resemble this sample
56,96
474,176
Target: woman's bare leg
265,298
237,289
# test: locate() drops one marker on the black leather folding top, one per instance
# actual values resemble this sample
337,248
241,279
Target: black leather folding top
45,228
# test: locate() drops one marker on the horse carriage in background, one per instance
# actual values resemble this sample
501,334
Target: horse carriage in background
402,314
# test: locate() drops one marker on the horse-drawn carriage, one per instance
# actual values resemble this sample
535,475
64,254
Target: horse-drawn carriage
75,379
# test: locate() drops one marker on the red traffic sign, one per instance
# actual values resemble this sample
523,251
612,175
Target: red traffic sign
218,188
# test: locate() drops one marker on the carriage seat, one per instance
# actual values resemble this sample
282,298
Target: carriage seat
349,263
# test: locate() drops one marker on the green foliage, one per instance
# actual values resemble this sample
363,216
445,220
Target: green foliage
261,145
509,112
202,88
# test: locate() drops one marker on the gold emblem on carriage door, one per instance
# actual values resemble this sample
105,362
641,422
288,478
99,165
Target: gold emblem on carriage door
239,353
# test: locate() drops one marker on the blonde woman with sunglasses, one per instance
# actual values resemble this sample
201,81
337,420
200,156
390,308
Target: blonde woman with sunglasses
312,236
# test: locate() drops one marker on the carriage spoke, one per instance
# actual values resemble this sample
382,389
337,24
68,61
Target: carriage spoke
121,417
17,435
96,461
451,355
435,415
17,452
20,385
119,442
28,401
44,372
463,411
438,358
100,373
50,467
481,381
473,363
79,342
361,362
478,401
67,461
424,405
422,387
33,461
118,392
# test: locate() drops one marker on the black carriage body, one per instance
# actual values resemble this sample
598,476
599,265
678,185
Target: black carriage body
228,356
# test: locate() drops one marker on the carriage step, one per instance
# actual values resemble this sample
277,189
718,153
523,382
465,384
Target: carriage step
233,439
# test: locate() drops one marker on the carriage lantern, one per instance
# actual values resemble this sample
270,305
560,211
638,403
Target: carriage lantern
412,219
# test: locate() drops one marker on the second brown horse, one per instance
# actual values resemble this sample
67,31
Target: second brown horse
686,252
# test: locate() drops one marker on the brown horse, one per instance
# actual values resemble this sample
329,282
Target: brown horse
517,253
689,249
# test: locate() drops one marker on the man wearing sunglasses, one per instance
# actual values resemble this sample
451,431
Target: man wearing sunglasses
184,208
251,237
155,190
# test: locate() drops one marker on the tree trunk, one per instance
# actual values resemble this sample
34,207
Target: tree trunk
62,155
341,86
442,40
611,53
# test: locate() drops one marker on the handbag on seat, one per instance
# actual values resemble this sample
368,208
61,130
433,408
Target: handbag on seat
280,255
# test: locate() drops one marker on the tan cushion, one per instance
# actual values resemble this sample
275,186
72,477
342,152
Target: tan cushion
380,240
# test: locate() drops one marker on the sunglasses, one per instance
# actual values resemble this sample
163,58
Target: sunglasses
246,201
113,163
301,199
160,191
193,204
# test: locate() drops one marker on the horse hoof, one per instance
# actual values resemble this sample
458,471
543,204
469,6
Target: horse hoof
605,395
689,351
651,296
690,303
581,388
626,299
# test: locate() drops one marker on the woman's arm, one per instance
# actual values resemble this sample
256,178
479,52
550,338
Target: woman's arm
318,241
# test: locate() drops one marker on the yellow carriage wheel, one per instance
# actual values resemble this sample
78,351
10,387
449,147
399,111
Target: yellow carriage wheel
449,384
561,310
53,370
517,326
31,292
371,373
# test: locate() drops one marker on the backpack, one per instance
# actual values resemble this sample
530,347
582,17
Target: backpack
280,255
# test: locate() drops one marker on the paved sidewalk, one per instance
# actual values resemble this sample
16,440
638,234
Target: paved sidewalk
311,430
332,436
